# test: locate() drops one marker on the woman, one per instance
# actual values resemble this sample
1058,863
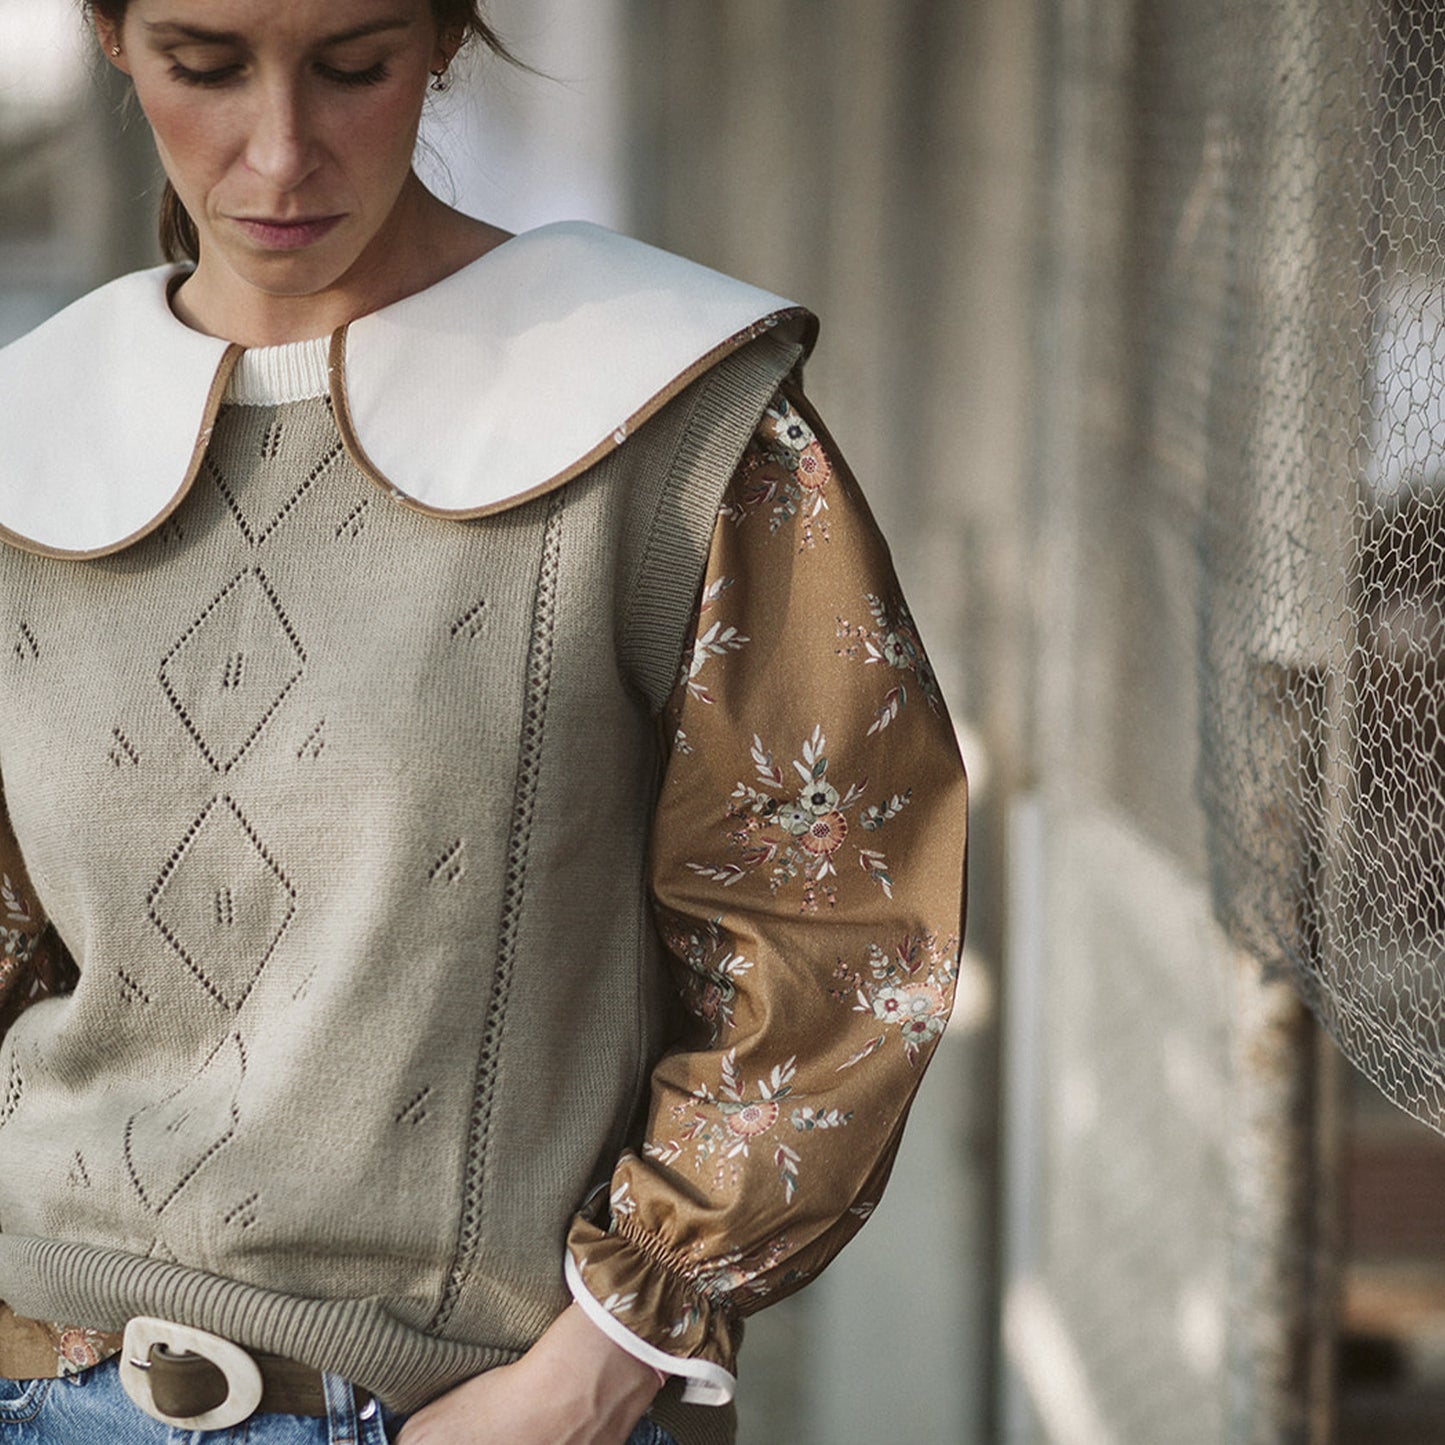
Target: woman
485,850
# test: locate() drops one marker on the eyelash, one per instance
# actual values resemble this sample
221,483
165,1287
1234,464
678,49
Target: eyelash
372,75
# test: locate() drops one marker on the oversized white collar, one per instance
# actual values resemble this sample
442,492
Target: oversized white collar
506,379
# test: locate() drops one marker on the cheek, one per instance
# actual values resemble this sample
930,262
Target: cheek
379,138
392,125
192,139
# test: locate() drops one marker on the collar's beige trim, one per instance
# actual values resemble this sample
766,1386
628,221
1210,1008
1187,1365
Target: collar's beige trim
520,371
193,467
105,412
497,384
796,319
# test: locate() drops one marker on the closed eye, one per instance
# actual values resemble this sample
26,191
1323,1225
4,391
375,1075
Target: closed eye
219,76
372,75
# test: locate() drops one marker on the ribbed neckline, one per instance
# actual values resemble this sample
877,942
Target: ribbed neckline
275,375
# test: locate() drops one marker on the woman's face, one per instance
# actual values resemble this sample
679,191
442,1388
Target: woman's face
287,128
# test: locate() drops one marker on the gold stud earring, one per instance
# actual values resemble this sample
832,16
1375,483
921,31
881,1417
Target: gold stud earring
115,49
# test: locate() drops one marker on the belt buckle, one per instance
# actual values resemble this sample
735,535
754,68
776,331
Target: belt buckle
243,1375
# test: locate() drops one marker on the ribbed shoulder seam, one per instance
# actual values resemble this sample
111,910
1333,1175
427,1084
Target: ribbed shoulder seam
726,406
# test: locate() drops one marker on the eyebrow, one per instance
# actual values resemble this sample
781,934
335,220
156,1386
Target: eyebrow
230,37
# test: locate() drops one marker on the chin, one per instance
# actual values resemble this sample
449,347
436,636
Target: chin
302,272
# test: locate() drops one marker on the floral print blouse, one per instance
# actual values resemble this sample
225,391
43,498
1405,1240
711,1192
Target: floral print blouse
807,879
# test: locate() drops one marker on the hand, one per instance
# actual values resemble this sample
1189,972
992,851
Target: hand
573,1387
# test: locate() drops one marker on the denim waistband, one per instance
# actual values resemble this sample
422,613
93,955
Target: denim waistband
92,1407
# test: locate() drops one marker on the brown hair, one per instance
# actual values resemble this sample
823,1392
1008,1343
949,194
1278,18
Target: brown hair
180,241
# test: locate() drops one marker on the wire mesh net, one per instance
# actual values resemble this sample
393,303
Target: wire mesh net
1323,537
1242,501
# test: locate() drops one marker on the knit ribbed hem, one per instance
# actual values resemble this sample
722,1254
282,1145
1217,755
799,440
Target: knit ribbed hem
277,375
357,1339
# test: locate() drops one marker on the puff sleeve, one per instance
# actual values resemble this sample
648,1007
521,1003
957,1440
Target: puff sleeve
808,881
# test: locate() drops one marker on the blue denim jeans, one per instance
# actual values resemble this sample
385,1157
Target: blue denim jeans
92,1409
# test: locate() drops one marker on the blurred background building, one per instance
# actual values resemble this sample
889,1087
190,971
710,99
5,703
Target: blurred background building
1134,329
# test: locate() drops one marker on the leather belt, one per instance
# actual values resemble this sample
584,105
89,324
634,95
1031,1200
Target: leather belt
198,1381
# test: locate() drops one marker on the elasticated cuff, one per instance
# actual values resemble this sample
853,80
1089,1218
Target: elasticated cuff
651,1311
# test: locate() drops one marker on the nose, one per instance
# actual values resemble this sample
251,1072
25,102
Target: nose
282,147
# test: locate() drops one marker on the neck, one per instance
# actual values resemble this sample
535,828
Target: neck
423,241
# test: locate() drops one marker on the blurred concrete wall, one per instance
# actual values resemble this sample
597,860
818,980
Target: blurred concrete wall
522,149
1167,1270
76,168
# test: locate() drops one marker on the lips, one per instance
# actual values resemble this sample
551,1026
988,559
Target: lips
286,235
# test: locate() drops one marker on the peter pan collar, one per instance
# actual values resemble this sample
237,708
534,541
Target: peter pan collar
504,380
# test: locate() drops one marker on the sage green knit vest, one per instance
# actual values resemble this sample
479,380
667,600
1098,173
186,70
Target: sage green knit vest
342,810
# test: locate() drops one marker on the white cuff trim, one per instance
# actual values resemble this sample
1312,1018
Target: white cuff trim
707,1384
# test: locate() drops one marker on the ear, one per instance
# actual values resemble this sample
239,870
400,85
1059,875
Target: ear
448,43
107,35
